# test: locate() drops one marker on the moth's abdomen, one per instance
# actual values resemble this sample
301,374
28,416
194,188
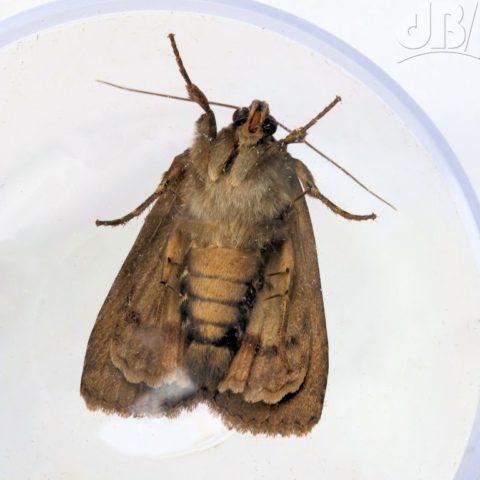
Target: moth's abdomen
219,293
213,307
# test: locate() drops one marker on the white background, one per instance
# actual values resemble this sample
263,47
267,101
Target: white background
445,86
431,81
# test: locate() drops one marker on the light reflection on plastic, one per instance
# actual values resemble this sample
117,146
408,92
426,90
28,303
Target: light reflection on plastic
163,437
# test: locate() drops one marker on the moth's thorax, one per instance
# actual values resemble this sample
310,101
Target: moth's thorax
240,198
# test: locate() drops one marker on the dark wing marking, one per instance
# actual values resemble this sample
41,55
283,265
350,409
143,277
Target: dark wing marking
137,340
267,391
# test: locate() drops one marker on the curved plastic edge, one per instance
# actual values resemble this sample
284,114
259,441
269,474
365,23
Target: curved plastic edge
58,12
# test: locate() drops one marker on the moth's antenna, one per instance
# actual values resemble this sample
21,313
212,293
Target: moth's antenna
348,174
166,95
234,107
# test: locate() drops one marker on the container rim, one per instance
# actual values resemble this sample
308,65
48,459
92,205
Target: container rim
48,15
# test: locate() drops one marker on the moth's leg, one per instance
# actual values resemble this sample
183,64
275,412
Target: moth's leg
305,176
174,173
200,150
194,92
283,272
134,213
276,295
176,290
298,134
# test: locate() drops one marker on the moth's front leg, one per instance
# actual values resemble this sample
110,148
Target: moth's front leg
200,150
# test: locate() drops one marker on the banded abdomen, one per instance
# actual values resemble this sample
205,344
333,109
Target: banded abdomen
220,286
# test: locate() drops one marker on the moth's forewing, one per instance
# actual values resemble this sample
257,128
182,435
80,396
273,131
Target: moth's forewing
304,338
130,340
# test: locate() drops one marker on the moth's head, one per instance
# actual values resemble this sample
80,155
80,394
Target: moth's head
254,123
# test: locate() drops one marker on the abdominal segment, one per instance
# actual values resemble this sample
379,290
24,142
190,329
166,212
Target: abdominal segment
220,287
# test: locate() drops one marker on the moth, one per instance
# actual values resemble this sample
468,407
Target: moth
219,300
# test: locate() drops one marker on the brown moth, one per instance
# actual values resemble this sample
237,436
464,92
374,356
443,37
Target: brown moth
219,300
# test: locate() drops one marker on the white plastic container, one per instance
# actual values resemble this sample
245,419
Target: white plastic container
401,293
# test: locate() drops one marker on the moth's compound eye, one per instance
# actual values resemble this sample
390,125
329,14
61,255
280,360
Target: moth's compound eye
269,125
240,115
